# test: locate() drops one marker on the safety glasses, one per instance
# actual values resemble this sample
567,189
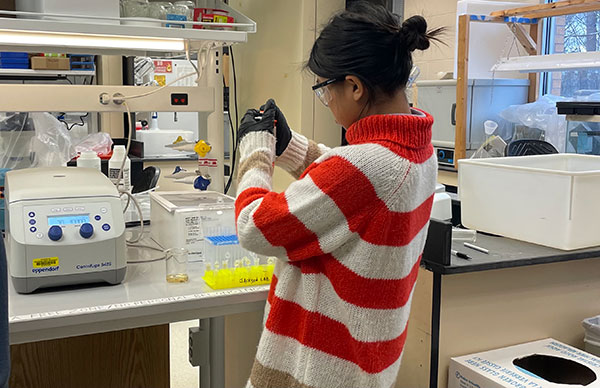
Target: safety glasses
322,91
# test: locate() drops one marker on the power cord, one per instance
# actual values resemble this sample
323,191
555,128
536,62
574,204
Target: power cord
149,260
123,191
202,59
130,197
234,139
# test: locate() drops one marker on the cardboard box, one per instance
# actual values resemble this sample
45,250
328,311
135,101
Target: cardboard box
546,363
50,63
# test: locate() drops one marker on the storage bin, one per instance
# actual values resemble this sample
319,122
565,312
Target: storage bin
106,8
549,200
592,335
50,63
17,60
179,218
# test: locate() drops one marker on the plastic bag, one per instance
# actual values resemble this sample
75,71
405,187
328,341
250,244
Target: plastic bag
100,143
52,146
16,132
493,147
539,116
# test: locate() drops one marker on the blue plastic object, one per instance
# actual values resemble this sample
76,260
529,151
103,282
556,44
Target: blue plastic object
8,54
201,183
86,230
55,233
13,66
223,240
14,63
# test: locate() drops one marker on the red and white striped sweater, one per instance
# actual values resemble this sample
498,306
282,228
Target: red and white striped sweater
349,236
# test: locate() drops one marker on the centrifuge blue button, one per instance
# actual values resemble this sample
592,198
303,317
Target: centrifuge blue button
55,233
97,218
31,222
106,227
31,214
33,229
86,230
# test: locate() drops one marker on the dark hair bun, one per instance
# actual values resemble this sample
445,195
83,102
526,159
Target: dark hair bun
414,33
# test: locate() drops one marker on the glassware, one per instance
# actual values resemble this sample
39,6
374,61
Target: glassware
134,8
185,8
177,265
159,9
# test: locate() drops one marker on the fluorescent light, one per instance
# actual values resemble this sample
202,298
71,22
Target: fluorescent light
551,62
68,40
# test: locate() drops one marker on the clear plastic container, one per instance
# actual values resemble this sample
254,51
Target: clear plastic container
159,9
465,235
134,8
182,11
204,224
179,218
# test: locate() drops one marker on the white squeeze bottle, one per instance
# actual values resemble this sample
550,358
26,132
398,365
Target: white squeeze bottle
89,159
114,165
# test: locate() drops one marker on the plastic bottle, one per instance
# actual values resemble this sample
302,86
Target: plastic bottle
89,159
114,165
154,122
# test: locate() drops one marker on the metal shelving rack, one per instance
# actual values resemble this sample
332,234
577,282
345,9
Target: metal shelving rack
86,34
516,19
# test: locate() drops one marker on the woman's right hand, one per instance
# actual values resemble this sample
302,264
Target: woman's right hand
283,132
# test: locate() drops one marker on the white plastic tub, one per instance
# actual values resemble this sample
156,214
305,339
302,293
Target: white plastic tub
551,200
592,335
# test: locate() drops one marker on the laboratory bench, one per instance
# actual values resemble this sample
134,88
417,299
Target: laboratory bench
102,335
118,335
516,293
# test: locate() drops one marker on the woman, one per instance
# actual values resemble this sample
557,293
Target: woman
350,231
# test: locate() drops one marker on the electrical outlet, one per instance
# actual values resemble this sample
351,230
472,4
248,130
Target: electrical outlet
104,98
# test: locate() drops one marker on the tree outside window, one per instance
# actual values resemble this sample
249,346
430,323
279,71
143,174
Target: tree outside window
573,34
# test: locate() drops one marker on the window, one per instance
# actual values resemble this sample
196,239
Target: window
570,34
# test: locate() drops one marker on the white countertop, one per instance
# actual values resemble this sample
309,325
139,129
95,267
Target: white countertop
143,299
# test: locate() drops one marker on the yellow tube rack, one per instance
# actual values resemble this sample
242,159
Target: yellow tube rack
254,275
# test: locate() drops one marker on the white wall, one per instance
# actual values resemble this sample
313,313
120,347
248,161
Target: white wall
270,65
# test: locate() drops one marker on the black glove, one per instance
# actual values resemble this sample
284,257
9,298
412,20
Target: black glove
254,121
283,133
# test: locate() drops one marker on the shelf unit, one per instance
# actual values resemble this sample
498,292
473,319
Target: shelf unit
516,19
87,34
45,73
